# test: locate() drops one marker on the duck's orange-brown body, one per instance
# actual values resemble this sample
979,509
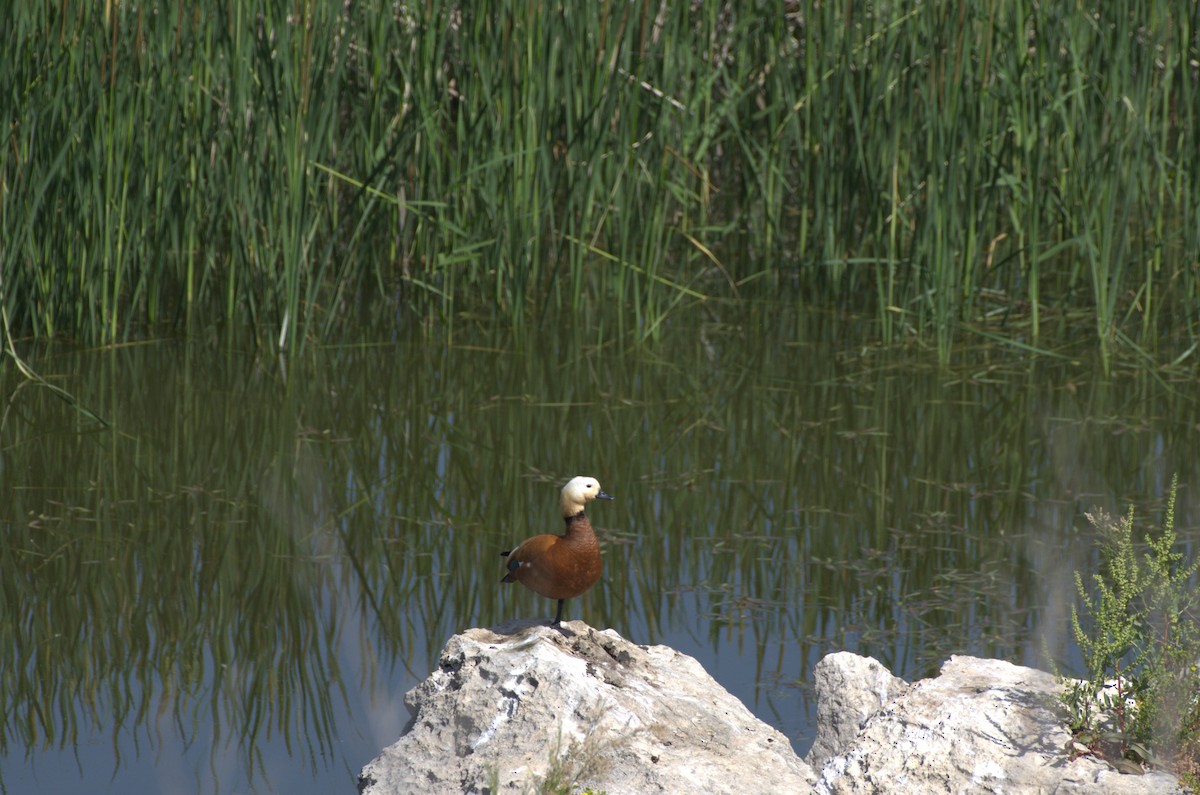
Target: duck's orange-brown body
558,566
561,566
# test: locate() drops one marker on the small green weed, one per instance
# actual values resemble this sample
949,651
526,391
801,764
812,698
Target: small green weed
1140,641
582,760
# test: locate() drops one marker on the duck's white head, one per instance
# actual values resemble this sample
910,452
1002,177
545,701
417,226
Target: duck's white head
578,492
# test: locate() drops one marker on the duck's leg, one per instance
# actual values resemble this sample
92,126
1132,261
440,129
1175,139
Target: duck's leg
558,616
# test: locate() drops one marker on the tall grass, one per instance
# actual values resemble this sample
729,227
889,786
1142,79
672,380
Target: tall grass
946,166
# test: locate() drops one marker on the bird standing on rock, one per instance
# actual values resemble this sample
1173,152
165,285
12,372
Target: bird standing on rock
561,566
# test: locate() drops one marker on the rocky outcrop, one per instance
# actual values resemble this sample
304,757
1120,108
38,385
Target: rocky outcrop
849,690
526,707
981,726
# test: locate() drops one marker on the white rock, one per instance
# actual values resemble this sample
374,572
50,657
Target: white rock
527,707
524,706
982,726
849,690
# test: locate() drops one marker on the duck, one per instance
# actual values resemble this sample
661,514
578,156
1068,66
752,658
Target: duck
561,566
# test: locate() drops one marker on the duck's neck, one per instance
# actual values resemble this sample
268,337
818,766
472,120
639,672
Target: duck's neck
571,507
578,526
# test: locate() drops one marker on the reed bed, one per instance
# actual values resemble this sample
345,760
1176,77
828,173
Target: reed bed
1019,168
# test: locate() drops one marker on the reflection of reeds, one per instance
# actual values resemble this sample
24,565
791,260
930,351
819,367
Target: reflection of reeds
162,576
283,167
242,546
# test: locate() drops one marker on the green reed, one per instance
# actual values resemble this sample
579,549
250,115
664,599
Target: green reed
1005,165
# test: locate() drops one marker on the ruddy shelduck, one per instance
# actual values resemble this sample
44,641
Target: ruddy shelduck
561,566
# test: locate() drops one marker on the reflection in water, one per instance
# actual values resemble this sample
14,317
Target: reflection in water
256,567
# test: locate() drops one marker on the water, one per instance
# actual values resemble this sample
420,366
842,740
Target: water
231,587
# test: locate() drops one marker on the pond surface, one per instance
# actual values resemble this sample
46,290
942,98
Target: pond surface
232,585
